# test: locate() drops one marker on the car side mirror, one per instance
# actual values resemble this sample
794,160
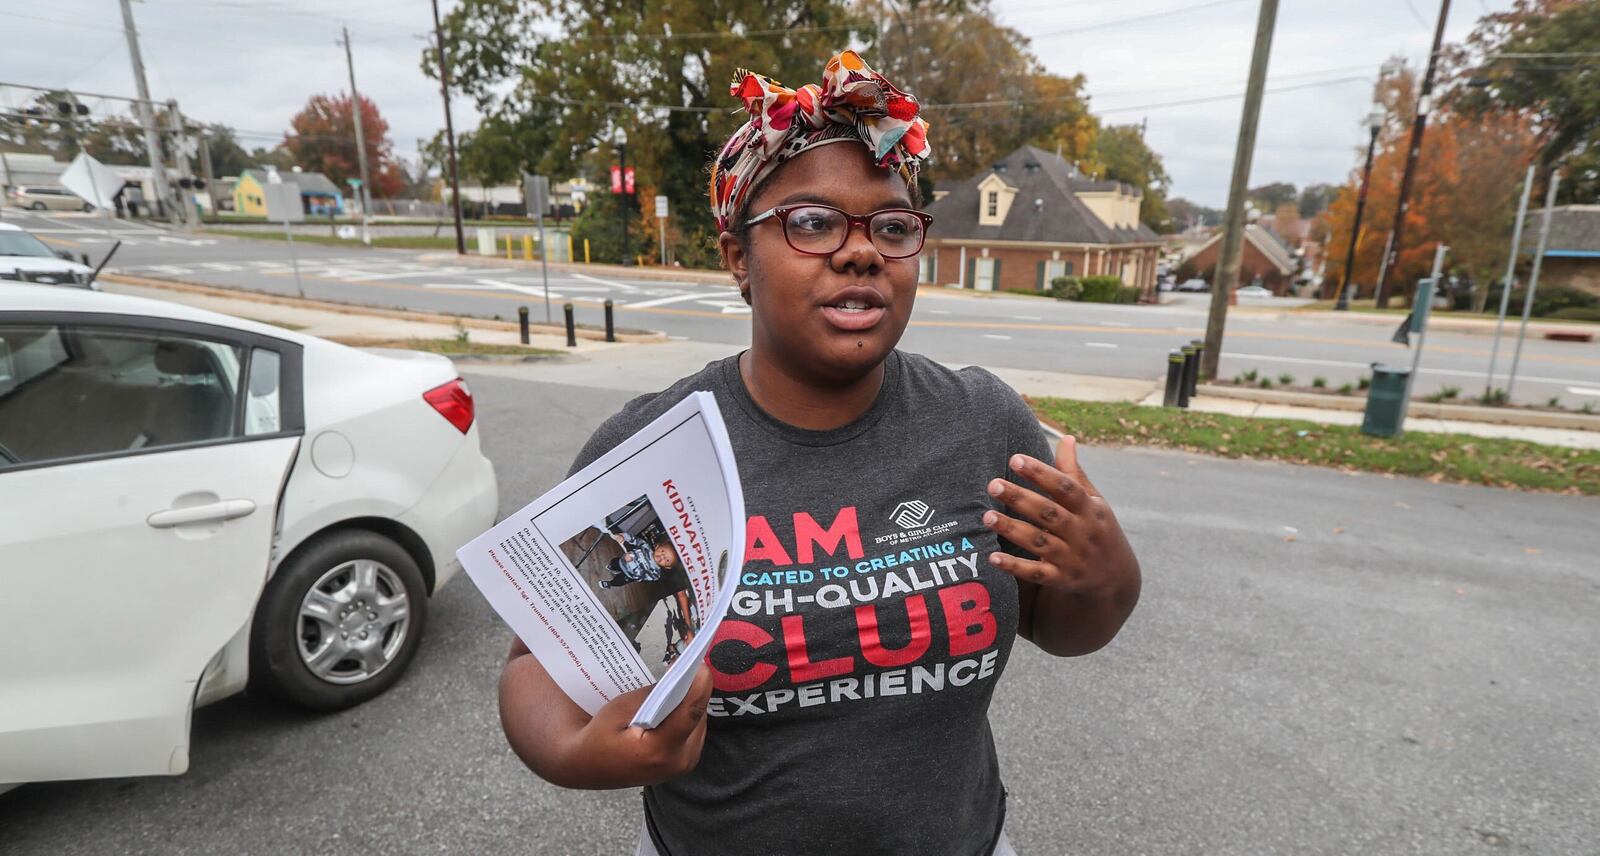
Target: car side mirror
64,255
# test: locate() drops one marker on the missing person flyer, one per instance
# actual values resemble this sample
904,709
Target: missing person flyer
618,577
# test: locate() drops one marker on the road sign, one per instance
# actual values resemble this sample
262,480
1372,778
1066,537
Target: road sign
661,206
536,189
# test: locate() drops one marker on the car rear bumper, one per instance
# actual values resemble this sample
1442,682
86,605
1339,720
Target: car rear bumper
460,504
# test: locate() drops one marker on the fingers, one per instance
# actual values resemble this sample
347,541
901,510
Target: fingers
1031,570
690,714
1064,488
1035,539
1067,462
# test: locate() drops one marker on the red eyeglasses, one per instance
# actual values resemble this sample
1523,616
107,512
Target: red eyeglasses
821,230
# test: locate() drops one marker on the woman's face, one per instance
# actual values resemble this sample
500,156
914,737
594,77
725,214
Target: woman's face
801,317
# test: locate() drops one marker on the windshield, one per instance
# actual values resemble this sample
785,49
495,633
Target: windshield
23,244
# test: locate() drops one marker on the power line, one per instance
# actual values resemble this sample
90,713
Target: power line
1418,15
1117,22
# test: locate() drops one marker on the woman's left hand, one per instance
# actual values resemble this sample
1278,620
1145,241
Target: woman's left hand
1086,571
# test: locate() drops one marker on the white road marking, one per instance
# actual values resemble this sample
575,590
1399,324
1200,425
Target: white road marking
1098,345
374,277
938,312
1113,324
1027,318
994,336
660,301
220,267
1582,390
620,286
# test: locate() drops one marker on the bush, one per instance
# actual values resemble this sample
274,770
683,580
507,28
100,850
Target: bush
1554,298
1319,383
1101,289
1364,383
1347,389
1576,313
1286,379
1066,288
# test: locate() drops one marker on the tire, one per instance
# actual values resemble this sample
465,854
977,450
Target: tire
310,649
87,208
36,206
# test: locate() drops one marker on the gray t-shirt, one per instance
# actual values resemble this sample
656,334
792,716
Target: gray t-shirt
854,672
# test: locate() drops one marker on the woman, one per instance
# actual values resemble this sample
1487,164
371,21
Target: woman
909,517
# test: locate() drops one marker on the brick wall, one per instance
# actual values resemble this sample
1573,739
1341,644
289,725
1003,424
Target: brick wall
1019,268
1582,274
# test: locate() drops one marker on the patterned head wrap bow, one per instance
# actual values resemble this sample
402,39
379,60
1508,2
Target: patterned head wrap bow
853,103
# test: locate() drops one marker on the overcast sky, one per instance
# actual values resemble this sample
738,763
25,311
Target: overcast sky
252,64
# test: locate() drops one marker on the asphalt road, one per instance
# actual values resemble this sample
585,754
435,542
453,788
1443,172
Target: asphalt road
1015,332
1322,663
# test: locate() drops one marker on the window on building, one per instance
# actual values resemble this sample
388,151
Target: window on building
994,203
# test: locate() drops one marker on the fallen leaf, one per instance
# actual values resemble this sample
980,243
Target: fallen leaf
1399,504
1291,537
1532,551
1338,530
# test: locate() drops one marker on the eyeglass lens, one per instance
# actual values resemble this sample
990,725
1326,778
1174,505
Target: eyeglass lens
814,229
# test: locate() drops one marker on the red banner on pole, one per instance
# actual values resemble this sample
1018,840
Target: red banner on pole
616,179
627,181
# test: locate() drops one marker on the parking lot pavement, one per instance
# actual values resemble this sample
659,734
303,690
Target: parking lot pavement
1322,663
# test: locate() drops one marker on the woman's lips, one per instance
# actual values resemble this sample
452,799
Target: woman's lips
853,320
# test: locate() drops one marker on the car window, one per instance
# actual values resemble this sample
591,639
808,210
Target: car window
261,408
70,391
22,244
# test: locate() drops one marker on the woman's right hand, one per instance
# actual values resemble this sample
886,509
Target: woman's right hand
567,747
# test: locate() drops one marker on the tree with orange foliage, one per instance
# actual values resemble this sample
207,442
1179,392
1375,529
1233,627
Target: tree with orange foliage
324,140
1464,194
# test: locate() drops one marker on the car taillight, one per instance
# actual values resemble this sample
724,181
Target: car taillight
454,402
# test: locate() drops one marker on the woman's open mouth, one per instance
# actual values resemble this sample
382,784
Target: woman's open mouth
861,310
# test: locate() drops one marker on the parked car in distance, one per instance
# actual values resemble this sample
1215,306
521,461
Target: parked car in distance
1195,284
48,199
24,258
219,504
1254,291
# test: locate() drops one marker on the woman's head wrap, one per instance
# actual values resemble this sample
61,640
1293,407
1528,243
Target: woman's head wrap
853,103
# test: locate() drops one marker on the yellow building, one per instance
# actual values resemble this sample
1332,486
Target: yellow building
318,195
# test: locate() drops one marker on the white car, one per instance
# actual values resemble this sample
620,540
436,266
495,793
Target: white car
1254,291
24,258
191,504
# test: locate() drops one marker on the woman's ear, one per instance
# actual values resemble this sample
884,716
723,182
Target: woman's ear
737,260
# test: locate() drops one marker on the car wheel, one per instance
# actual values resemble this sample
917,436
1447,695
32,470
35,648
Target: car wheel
338,623
87,208
37,206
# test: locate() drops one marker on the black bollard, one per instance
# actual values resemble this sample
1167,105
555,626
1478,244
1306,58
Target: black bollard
522,322
611,331
86,262
1189,362
572,326
1191,379
1175,370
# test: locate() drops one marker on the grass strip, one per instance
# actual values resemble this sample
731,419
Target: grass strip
1459,458
450,347
392,242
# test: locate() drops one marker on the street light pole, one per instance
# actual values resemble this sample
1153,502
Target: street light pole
622,158
449,129
1375,124
1233,228
1418,126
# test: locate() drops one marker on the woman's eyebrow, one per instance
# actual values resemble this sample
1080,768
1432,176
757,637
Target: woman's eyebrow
818,199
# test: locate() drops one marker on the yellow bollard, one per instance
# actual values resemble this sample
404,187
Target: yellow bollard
585,250
569,246
527,248
508,248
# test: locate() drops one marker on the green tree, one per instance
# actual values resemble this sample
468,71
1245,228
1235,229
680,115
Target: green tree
227,156
557,80
1315,199
1268,197
1121,148
1186,213
1541,61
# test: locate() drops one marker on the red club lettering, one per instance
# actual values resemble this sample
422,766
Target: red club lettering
967,617
744,633
872,646
762,545
801,669
808,534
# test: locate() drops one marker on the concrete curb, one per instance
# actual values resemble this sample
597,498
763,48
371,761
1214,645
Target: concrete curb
1457,412
628,336
599,270
1470,326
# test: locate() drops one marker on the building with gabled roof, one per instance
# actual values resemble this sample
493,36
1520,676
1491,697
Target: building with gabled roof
1263,259
1032,217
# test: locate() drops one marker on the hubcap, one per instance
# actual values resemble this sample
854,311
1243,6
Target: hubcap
353,621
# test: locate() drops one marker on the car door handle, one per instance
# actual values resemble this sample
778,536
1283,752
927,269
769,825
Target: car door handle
227,509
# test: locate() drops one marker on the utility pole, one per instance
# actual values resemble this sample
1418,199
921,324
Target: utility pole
147,117
187,215
1233,226
206,171
449,128
365,191
1418,125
